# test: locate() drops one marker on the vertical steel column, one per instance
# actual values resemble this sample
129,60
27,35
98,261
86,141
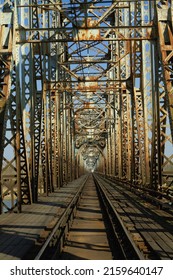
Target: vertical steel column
135,19
147,83
13,166
109,147
58,100
6,66
64,138
73,144
118,103
139,119
36,101
126,132
164,47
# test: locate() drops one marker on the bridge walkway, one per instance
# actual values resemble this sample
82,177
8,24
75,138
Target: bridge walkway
20,231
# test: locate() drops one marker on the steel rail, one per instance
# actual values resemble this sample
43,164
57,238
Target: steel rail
132,243
153,196
65,217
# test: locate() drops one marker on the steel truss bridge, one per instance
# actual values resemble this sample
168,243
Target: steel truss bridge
84,86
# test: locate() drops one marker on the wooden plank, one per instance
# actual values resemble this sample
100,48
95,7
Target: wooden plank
19,231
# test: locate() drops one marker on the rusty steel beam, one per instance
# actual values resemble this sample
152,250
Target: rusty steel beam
162,158
14,173
70,40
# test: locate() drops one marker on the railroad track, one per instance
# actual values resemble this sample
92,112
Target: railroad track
132,244
123,222
149,227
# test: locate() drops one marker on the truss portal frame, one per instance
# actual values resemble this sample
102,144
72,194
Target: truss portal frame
84,85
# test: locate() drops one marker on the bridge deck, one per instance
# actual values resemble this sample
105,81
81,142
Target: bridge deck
18,232
87,238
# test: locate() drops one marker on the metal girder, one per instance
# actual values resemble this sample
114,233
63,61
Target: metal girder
14,173
163,127
126,132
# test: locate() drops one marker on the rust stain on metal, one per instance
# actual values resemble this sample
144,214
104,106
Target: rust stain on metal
151,32
85,33
89,84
